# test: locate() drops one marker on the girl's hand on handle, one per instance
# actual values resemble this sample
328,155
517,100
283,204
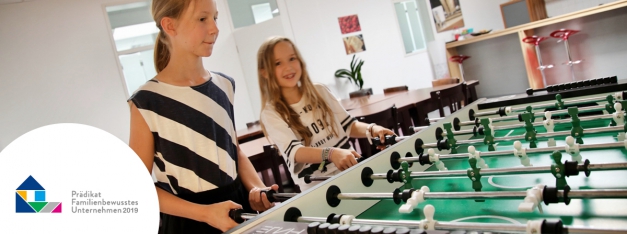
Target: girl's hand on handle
258,200
217,215
343,159
381,132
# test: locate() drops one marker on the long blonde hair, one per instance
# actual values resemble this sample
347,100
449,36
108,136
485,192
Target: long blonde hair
271,92
171,9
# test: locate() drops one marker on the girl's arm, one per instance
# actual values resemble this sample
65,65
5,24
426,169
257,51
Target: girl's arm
342,158
142,142
292,148
356,128
253,184
359,129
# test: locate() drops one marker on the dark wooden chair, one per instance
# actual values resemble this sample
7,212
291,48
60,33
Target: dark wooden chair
451,97
404,116
270,161
395,89
386,118
361,93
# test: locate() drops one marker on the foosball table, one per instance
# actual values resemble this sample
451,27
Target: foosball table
505,169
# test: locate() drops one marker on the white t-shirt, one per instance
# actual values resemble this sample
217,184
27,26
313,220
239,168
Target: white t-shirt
289,141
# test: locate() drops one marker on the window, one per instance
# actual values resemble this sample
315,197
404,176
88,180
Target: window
262,12
134,33
410,25
251,12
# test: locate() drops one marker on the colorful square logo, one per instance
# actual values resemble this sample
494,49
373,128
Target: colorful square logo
30,197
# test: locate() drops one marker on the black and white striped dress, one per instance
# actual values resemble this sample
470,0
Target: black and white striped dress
194,133
195,145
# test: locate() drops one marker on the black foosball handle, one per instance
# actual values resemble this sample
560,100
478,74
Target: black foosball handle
236,215
361,159
389,140
270,195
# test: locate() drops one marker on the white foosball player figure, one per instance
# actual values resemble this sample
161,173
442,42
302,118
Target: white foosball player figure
549,126
428,223
435,158
619,118
416,198
521,153
532,200
572,148
473,153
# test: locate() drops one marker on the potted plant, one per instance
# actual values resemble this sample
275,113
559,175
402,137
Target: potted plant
354,76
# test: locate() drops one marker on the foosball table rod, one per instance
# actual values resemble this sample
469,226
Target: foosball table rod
571,148
443,144
479,130
518,117
532,198
565,169
505,111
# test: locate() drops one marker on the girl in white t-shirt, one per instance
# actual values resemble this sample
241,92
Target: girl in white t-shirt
305,121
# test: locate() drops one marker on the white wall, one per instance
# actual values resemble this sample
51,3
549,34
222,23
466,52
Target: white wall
248,40
62,68
317,34
224,59
484,14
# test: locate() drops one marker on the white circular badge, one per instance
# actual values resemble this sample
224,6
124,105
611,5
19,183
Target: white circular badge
73,178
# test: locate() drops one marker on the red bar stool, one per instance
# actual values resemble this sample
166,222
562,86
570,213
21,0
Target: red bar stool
563,35
536,41
459,59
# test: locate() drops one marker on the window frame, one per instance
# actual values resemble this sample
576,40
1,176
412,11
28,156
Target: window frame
398,27
116,53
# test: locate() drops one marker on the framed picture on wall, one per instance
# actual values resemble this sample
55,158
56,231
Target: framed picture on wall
354,44
349,24
447,14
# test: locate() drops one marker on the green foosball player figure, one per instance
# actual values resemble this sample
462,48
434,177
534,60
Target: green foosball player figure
488,137
577,130
474,174
609,107
450,136
559,104
558,170
530,131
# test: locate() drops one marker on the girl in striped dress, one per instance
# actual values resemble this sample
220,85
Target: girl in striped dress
182,126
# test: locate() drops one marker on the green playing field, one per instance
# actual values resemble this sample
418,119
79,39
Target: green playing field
600,213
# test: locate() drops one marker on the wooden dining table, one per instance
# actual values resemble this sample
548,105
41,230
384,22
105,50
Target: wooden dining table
250,133
358,102
254,148
405,100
